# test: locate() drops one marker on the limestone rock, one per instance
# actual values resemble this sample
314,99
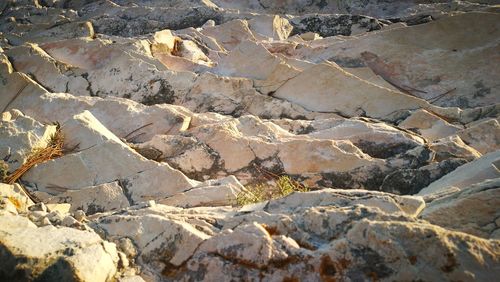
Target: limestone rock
53,253
472,210
19,136
429,125
169,107
483,136
331,25
453,147
105,197
275,27
14,198
477,171
338,89
446,78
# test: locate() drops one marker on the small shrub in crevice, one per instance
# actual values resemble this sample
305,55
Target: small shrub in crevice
283,186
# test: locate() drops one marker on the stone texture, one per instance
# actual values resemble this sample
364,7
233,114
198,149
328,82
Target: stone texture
20,136
105,197
51,253
477,171
472,210
169,107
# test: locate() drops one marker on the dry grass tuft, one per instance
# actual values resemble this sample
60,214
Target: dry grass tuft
284,185
53,150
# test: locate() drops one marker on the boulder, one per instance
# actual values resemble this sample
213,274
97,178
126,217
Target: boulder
49,253
91,200
429,125
483,136
453,147
473,210
334,90
484,168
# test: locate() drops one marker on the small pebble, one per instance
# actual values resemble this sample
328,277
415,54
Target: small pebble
69,221
38,207
45,222
79,215
55,217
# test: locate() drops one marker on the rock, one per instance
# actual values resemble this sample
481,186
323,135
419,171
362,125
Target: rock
470,210
483,136
79,215
38,207
60,208
211,193
474,172
164,42
331,25
15,197
453,147
19,136
90,200
175,239
248,59
168,108
71,254
230,34
337,197
437,78
69,221
90,166
429,125
275,27
45,222
411,181
380,103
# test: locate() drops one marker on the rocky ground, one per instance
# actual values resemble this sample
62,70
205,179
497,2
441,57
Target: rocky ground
169,110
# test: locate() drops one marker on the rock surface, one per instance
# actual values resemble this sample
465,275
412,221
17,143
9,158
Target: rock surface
376,121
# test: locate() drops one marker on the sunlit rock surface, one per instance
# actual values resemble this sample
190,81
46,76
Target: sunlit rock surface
171,110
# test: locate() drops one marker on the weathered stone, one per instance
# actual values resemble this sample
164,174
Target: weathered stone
483,136
20,136
71,255
469,210
453,147
90,200
429,125
474,172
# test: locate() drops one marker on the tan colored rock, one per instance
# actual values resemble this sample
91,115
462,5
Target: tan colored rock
430,60
230,34
165,42
274,27
211,193
313,156
105,197
84,131
54,75
76,254
166,240
429,125
248,59
388,203
453,147
20,136
474,172
15,196
471,210
327,88
483,136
